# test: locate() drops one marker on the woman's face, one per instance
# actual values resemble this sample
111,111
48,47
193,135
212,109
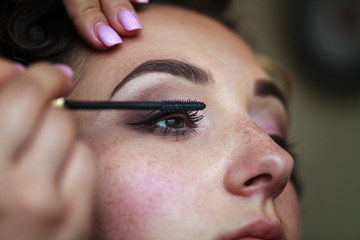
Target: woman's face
214,174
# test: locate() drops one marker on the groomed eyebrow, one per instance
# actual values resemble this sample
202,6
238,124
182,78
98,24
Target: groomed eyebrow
174,67
264,88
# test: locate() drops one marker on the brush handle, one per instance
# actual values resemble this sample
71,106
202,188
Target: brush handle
168,106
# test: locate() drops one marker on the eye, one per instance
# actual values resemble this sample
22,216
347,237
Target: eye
173,122
178,125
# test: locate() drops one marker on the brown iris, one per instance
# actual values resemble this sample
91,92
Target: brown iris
174,122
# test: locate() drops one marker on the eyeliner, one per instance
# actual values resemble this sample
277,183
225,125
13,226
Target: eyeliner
166,106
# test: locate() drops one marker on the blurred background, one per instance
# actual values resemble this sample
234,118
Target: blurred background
318,42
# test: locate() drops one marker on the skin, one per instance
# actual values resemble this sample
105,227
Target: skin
159,187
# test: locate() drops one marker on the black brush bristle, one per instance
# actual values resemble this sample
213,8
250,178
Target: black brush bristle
184,106
165,106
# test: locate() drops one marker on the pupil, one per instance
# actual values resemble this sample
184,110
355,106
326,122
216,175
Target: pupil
175,123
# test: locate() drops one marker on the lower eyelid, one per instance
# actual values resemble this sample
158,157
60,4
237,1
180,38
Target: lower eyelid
178,135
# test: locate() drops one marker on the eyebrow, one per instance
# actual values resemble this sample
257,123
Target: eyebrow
174,67
264,88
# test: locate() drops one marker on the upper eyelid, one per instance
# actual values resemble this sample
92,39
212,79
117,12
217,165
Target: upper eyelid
151,118
271,120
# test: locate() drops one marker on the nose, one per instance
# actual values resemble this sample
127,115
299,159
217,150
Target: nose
257,165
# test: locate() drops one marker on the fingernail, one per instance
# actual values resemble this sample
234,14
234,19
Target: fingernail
129,20
66,70
20,67
106,34
142,1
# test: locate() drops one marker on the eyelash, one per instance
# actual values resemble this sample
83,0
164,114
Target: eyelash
281,142
149,123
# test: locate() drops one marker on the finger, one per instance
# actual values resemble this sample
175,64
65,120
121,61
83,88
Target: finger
121,16
77,187
49,147
24,99
9,69
91,23
140,1
79,173
34,205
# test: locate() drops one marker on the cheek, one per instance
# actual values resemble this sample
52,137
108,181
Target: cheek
134,193
153,193
287,207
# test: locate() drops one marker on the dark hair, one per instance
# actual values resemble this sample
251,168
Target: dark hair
32,30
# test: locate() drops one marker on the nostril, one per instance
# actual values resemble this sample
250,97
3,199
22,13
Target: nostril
249,182
263,178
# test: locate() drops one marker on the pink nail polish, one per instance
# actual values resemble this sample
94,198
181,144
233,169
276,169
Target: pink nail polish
129,20
106,34
142,1
20,66
66,70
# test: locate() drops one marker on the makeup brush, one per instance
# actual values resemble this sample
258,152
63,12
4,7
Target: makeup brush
165,106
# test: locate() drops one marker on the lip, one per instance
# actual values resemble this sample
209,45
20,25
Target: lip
258,230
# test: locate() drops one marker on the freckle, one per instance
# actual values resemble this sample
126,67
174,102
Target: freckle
246,132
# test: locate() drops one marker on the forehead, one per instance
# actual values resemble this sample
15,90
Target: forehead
176,33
